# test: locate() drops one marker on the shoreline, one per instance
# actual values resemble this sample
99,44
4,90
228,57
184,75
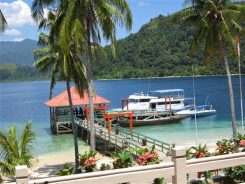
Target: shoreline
166,77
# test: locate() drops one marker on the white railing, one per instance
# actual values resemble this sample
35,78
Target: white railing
178,169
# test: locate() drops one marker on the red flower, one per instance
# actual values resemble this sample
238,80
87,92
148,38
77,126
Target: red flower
242,143
200,154
91,162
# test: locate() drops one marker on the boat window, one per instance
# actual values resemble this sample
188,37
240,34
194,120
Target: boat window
133,101
144,100
163,103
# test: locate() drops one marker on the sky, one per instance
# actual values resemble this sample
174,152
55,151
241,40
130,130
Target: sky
22,26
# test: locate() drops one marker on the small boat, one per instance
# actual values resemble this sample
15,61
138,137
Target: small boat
200,110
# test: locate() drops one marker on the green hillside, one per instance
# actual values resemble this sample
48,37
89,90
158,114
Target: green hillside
20,53
160,48
8,67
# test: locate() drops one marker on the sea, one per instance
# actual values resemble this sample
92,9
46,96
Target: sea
21,102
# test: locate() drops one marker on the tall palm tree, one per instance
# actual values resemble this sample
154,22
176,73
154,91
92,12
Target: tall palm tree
216,22
3,22
46,60
86,20
64,62
16,150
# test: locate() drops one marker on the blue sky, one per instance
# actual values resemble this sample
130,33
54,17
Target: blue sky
21,25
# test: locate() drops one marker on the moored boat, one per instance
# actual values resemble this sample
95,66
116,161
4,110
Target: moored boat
152,120
200,110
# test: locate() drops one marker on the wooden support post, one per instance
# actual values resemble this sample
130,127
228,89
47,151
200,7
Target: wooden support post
21,174
109,125
180,169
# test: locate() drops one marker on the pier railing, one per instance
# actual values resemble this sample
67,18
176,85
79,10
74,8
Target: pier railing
138,137
176,171
140,112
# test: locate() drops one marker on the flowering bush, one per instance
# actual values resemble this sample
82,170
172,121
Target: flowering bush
146,157
224,147
88,161
197,152
239,142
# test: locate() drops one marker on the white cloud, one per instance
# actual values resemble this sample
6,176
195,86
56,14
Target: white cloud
18,39
17,13
12,32
142,3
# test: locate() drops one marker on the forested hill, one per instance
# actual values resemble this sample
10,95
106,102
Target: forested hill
20,53
160,48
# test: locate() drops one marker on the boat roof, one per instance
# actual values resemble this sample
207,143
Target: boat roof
136,96
163,100
167,90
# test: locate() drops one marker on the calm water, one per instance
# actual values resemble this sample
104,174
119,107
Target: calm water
24,101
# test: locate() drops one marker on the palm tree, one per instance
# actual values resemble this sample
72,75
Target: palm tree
215,22
46,60
86,20
3,22
16,150
62,62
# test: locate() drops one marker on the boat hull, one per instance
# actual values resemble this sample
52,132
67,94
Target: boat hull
158,121
201,113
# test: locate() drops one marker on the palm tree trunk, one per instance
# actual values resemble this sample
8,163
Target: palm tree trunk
90,91
230,89
74,127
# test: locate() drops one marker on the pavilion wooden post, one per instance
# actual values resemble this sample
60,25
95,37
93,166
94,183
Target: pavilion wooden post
56,120
87,109
109,125
131,124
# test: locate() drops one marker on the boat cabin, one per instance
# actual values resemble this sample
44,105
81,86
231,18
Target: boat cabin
159,100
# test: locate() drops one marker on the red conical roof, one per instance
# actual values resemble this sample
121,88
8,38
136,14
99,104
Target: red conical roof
62,100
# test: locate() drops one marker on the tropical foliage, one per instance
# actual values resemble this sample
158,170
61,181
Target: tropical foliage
16,150
147,157
67,170
122,159
3,22
235,174
200,151
88,161
216,26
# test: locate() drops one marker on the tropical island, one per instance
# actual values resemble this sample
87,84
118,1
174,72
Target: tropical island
69,50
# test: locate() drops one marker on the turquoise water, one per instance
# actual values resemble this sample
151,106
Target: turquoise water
24,101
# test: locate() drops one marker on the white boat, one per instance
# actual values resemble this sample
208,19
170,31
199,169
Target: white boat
154,108
201,110
159,100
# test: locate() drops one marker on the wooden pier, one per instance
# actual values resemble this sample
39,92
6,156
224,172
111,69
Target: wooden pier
121,138
108,135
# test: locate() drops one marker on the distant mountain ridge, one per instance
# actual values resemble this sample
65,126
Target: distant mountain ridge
20,53
161,48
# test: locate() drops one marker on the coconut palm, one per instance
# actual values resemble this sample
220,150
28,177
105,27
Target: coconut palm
216,22
3,22
64,63
86,20
16,150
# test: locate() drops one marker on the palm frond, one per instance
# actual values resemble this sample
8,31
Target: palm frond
3,22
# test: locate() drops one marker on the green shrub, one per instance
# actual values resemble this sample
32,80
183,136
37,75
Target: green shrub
67,170
123,159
